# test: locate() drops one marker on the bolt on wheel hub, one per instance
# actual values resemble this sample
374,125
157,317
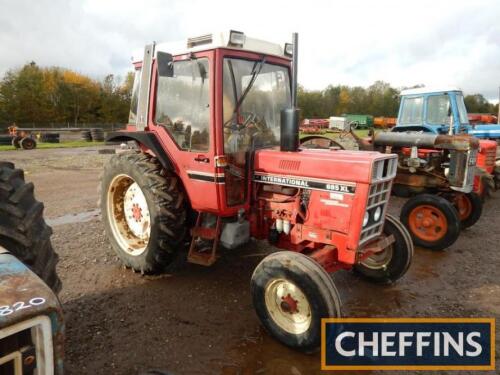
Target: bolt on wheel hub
136,211
128,214
288,306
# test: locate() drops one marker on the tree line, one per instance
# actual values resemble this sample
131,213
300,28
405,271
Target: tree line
37,95
43,95
379,99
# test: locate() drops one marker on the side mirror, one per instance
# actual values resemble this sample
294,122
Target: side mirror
165,64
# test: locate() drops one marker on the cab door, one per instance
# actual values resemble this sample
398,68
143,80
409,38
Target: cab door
182,117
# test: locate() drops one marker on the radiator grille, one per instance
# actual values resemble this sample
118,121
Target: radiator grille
379,197
384,169
491,155
32,338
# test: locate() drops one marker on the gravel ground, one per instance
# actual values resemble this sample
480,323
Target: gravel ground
201,320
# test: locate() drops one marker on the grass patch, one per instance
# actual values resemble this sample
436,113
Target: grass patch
69,144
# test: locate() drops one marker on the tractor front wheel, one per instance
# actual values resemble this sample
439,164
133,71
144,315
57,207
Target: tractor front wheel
469,207
291,294
432,221
392,262
144,213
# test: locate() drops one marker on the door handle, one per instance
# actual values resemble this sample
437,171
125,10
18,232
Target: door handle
201,159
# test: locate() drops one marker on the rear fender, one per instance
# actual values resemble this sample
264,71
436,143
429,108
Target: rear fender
148,140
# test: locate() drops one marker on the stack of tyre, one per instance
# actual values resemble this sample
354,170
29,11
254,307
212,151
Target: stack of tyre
6,140
97,134
50,137
86,136
94,134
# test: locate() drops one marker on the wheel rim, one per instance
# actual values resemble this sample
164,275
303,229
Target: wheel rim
428,223
380,259
128,215
288,306
463,206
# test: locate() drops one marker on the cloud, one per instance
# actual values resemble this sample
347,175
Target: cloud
349,42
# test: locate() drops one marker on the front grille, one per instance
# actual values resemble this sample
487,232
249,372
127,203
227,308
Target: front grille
490,157
384,169
379,197
26,347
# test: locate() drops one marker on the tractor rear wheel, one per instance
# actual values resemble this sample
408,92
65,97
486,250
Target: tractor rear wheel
144,213
433,222
23,231
291,294
27,143
469,207
16,140
391,263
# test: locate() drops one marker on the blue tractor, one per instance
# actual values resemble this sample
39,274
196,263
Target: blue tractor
439,111
442,111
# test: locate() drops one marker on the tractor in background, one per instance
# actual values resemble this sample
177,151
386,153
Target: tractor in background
442,111
436,173
31,319
21,138
219,163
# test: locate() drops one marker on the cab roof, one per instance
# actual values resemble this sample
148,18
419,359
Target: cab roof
429,90
212,41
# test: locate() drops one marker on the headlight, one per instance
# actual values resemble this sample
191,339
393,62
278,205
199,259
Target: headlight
366,219
377,213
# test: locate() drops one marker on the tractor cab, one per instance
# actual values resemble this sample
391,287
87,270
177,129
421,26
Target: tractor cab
439,111
213,98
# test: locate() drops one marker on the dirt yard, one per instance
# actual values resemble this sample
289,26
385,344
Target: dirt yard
201,320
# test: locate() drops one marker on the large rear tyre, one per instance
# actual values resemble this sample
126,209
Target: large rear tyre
144,213
469,207
27,143
391,263
23,231
433,222
291,294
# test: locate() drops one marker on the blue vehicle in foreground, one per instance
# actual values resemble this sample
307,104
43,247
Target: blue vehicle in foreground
439,111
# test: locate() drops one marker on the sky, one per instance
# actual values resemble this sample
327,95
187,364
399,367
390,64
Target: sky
404,42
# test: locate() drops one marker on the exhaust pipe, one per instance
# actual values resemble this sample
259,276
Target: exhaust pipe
289,129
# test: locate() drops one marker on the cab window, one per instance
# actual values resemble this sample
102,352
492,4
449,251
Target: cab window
438,109
182,104
134,101
412,111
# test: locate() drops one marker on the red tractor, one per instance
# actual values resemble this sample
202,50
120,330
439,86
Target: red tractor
219,163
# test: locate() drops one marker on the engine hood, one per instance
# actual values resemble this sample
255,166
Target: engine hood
350,167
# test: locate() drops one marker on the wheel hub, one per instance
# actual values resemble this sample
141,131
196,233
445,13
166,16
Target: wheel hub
136,211
428,223
288,306
128,214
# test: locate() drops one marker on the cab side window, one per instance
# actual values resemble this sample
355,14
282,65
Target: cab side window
412,111
182,104
134,102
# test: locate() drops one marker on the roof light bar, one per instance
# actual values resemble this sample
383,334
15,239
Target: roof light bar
199,40
236,38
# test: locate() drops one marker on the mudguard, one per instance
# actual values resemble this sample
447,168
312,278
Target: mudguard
148,139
